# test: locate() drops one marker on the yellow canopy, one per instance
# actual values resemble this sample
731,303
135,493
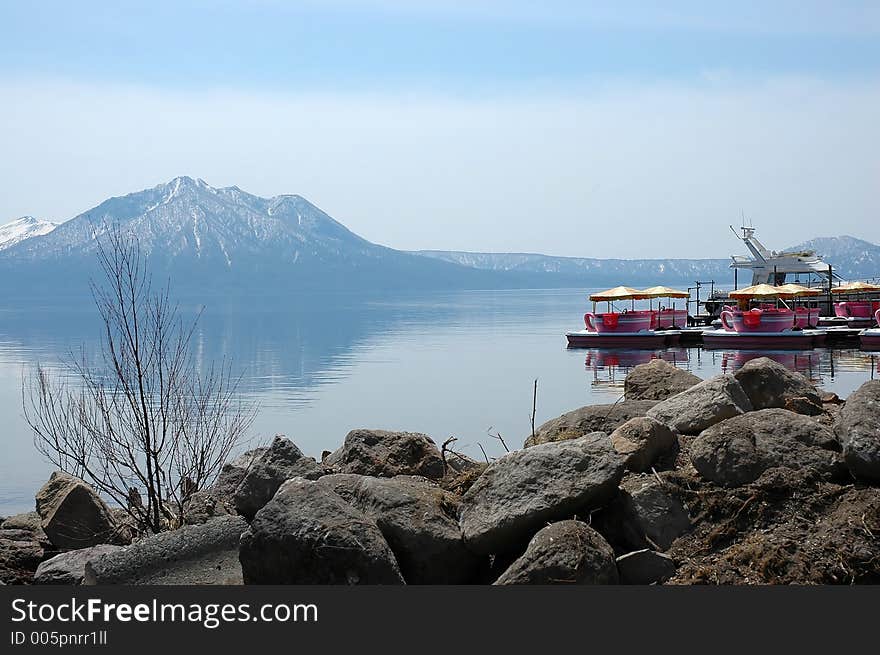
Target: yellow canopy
618,293
760,291
799,290
664,292
855,287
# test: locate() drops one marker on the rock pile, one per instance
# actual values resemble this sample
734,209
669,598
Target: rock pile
756,477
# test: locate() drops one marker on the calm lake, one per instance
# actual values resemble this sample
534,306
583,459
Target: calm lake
459,364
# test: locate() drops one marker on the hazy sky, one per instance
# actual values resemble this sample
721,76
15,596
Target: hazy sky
571,128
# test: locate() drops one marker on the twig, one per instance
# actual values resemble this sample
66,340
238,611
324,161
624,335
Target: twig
484,452
612,408
534,407
498,436
657,475
653,544
747,502
443,450
867,529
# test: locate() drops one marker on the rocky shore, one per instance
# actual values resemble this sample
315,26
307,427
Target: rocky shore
752,478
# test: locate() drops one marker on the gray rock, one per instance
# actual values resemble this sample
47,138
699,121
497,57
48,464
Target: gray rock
657,380
703,405
29,521
803,405
568,552
459,463
127,529
644,567
73,515
858,427
641,440
769,384
522,491
69,568
736,451
651,512
205,505
193,555
308,534
281,461
418,519
233,473
380,453
592,418
20,555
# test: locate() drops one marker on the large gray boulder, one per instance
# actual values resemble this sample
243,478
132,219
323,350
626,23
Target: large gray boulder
858,428
657,380
703,405
567,552
281,461
736,451
73,515
193,555
308,534
418,519
69,568
769,384
592,418
641,441
381,453
522,491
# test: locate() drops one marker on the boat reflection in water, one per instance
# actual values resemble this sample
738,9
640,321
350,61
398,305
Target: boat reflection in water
822,366
610,366
806,362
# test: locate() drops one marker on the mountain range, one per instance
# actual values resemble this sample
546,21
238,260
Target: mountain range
226,240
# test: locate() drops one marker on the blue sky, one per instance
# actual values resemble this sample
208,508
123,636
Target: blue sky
475,125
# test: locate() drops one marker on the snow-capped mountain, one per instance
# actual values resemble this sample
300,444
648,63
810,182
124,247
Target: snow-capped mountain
23,228
224,238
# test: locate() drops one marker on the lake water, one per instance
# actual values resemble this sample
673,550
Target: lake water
459,364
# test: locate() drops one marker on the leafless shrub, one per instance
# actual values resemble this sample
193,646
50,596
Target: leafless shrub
146,424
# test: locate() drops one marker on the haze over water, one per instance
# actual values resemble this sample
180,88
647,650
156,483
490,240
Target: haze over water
444,364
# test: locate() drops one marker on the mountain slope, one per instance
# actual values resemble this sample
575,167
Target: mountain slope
23,228
852,258
207,238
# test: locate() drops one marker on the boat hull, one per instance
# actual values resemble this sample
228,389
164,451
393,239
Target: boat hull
870,339
645,339
790,340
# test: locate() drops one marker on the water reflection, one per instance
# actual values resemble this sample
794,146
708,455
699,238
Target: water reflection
843,369
444,364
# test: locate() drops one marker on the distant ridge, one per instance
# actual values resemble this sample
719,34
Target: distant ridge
225,240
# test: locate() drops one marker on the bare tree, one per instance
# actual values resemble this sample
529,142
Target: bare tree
148,425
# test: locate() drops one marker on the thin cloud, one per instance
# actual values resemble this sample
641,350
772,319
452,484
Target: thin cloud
622,171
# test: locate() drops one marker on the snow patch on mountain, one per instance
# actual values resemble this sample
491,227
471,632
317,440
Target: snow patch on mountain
23,228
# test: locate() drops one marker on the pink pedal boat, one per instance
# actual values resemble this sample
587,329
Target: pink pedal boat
767,326
624,329
870,338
